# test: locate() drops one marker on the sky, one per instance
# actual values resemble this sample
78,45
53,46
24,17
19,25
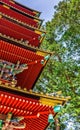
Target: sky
44,6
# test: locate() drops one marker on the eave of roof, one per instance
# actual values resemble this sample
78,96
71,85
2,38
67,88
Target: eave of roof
22,44
18,32
21,103
45,99
33,29
19,17
26,7
21,11
22,23
24,56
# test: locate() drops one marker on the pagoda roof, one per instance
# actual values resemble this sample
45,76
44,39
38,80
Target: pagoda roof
19,32
17,7
33,10
34,107
25,25
21,7
18,16
28,24
12,53
21,44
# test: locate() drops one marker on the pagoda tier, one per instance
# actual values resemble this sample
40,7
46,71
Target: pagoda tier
37,33
9,4
22,8
34,61
16,31
22,44
36,13
19,32
32,108
16,15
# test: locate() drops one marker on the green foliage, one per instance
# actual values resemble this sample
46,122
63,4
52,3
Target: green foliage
63,69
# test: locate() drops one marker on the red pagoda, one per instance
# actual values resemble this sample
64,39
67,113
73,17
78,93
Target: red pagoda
21,63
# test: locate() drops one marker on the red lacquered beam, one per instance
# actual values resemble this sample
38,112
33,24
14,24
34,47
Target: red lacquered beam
32,106
17,112
15,102
22,103
8,100
1,97
4,98
40,108
1,108
12,101
6,110
24,106
19,102
36,105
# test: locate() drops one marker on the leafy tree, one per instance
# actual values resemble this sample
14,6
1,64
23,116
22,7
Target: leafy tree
62,72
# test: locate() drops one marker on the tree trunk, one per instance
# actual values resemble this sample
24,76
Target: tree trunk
57,125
